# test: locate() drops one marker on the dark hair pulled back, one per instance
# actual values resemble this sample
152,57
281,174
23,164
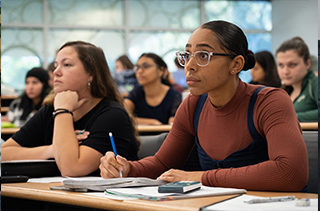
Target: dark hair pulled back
233,40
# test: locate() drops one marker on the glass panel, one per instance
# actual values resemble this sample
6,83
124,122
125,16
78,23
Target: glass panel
21,11
245,14
111,42
165,44
21,50
166,14
84,12
259,42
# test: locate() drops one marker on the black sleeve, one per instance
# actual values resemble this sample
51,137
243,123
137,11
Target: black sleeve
176,101
37,131
117,122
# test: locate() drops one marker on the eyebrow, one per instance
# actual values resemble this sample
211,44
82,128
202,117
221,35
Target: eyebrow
200,45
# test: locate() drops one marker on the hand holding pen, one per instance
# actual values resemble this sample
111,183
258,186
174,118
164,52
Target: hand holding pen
110,167
113,165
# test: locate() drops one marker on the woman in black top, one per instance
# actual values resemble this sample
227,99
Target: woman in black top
85,98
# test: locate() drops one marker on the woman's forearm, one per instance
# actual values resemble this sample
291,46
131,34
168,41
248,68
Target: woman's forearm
65,143
16,152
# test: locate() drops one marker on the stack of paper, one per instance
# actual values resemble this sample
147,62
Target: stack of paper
151,193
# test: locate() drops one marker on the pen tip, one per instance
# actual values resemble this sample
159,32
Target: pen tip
110,134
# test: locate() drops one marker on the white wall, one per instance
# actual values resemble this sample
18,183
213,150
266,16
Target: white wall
295,18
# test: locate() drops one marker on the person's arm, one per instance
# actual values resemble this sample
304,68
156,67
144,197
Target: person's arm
29,142
308,116
71,159
175,149
311,115
11,150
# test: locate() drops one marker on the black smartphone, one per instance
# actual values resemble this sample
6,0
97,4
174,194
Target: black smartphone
14,179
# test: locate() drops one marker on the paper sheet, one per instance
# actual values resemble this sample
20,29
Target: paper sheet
239,205
60,179
153,192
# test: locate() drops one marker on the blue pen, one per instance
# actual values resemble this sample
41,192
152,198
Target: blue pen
81,132
114,148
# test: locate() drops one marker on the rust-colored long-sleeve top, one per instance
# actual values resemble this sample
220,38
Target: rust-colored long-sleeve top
224,130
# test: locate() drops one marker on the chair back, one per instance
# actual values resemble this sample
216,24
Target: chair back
150,144
311,140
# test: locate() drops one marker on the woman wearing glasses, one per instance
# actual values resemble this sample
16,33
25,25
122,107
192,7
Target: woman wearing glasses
247,136
154,101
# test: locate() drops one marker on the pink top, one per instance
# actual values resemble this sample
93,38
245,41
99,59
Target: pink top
224,130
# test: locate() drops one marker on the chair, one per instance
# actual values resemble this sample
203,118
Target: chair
311,140
150,144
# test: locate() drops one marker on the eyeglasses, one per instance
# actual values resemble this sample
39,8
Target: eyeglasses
202,57
143,67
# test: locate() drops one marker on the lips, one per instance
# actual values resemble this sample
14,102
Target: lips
56,81
192,80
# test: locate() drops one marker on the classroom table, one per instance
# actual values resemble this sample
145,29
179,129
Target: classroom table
4,109
41,193
153,128
309,125
140,128
166,128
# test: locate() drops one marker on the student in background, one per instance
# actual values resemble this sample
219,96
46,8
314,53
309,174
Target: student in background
36,89
293,61
50,73
154,101
123,63
265,70
240,146
85,98
124,75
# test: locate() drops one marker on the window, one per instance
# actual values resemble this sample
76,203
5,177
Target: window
33,30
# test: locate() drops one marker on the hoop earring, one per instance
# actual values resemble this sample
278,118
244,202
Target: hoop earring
89,84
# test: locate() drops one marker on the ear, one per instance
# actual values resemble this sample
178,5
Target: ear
308,64
164,72
236,65
90,78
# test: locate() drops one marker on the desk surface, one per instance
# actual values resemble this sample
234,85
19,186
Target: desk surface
42,192
309,125
5,109
8,97
140,128
166,128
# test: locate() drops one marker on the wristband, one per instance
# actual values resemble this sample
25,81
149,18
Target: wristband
60,111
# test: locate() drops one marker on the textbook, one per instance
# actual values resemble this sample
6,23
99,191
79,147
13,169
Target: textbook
100,184
179,187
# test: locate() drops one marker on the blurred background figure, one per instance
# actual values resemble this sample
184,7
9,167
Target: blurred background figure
265,70
293,61
24,107
154,101
314,65
124,75
123,63
50,73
